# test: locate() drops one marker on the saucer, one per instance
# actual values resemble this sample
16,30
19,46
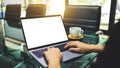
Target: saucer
78,37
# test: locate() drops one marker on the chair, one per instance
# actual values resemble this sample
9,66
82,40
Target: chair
2,46
84,16
12,22
35,10
12,18
12,15
13,11
6,58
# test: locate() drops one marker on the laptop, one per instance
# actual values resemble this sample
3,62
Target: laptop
44,32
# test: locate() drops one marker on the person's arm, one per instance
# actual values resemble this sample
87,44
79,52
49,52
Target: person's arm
53,56
54,64
97,48
81,47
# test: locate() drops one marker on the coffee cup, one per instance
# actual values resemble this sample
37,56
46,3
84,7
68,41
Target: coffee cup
75,31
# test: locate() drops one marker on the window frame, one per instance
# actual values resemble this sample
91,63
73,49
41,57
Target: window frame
111,17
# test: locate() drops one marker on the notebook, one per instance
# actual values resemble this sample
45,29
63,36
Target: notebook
44,32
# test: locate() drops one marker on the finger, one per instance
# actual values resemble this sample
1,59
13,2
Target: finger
72,44
44,52
61,53
68,44
49,48
57,49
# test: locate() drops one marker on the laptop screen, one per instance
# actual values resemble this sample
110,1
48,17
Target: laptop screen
43,31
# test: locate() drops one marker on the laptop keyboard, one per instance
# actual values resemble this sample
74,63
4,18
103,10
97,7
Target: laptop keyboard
40,53
61,47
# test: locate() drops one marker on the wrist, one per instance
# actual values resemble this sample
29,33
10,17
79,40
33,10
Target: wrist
54,63
92,48
95,48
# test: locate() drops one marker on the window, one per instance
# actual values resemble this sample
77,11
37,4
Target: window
0,10
35,2
5,2
105,9
117,15
55,7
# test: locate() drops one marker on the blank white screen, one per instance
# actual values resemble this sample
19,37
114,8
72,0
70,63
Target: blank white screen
5,2
43,31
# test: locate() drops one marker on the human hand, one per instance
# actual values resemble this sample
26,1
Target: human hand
53,55
76,46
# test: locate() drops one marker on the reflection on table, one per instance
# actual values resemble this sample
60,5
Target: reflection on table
80,62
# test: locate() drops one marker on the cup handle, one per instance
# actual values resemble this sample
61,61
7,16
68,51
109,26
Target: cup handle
82,31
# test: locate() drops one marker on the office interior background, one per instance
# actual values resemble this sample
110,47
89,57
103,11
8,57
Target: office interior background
110,9
58,6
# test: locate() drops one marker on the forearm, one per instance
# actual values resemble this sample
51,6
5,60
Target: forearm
97,48
54,64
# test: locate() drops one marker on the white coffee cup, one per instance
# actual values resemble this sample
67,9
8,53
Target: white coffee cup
75,31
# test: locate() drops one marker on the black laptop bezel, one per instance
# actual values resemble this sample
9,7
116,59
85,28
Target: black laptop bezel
47,44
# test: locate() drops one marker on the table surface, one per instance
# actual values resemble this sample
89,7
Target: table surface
80,62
